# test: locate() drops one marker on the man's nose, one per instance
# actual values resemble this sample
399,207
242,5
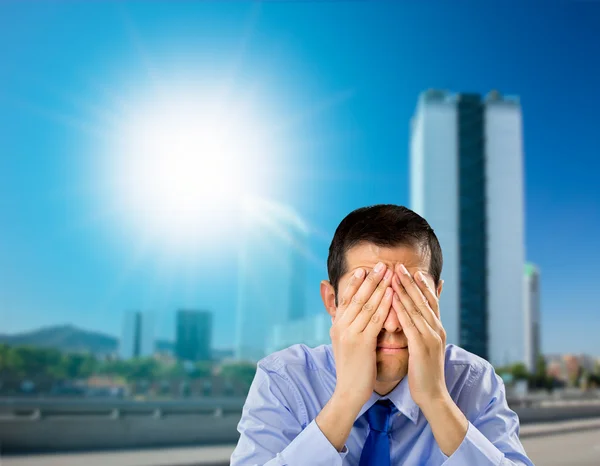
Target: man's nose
392,324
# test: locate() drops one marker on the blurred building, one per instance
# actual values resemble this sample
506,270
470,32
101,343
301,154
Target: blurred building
222,354
312,331
568,367
532,316
588,363
561,366
555,369
193,335
272,275
572,366
467,181
137,337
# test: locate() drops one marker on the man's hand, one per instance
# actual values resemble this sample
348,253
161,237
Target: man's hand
362,309
417,307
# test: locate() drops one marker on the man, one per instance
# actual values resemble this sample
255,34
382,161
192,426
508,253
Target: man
388,390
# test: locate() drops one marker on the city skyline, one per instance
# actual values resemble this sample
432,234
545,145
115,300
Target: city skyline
340,103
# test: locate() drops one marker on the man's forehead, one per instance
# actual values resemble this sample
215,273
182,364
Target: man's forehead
368,254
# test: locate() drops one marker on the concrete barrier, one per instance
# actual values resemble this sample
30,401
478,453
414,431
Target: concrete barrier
77,425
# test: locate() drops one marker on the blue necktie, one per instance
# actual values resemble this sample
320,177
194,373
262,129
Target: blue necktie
376,451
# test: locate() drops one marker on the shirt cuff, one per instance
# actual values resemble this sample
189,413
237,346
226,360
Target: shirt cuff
474,449
322,452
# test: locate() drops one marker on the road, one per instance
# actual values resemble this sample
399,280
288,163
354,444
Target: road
573,449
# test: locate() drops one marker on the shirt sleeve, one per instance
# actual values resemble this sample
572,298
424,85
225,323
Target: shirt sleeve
493,435
271,433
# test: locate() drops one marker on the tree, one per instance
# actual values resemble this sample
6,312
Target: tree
4,350
540,379
25,361
73,364
88,367
142,369
59,369
519,371
240,371
113,368
201,369
171,371
540,367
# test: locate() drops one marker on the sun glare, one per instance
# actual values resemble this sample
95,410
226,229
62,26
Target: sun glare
182,166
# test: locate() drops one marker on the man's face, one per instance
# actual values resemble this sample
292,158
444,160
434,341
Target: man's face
391,366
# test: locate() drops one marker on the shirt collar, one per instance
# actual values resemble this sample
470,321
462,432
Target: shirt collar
400,396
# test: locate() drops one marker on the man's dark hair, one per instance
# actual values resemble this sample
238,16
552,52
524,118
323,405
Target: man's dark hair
384,225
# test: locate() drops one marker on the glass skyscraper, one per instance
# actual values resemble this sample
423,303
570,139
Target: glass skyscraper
193,340
137,337
467,181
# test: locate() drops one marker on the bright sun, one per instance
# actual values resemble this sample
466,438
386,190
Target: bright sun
182,165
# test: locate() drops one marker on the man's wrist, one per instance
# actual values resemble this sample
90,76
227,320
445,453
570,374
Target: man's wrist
436,405
337,418
348,400
448,424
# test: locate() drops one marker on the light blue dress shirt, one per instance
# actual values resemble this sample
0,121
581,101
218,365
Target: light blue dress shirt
291,387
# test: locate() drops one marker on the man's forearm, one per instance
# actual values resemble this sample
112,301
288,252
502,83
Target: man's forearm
448,424
336,419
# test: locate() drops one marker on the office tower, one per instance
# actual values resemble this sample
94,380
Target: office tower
137,338
193,335
467,181
271,274
532,316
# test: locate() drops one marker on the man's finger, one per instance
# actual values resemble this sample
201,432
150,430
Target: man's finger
345,296
408,306
408,326
372,305
364,292
351,288
375,323
426,288
420,302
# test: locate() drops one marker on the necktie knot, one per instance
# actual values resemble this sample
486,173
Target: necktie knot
378,415
376,450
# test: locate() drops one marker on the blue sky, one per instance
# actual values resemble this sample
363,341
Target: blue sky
339,81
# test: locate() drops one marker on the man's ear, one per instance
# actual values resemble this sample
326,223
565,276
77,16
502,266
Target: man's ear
439,288
328,297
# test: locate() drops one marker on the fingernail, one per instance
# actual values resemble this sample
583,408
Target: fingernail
404,271
387,275
388,292
421,276
358,273
378,267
